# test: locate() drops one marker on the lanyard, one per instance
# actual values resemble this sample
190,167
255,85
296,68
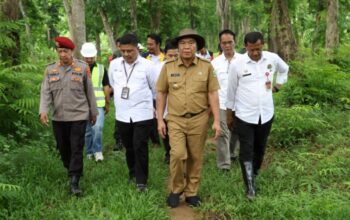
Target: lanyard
126,73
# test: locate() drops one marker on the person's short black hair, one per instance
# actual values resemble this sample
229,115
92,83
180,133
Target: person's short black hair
169,45
253,37
227,31
117,40
155,37
129,39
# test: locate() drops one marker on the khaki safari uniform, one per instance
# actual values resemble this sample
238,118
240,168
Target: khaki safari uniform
187,89
69,90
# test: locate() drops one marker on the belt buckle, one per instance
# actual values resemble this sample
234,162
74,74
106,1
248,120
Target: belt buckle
188,115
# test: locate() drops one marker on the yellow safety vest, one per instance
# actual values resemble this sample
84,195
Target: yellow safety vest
96,78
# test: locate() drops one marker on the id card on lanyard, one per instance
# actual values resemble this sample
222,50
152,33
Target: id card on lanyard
126,89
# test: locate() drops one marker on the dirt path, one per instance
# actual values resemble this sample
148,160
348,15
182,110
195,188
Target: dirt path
184,212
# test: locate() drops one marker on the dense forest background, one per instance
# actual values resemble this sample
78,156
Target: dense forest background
306,174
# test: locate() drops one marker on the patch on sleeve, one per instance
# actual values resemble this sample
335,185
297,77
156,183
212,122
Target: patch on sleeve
88,72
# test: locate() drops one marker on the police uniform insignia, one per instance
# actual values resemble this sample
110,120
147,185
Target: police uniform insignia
214,74
200,73
54,78
88,72
76,79
77,69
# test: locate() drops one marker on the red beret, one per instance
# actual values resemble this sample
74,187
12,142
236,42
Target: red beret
64,42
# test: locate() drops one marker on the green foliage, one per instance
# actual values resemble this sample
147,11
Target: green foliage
316,81
297,125
19,89
7,27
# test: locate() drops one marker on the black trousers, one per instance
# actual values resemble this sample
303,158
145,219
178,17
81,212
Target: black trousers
253,139
166,142
134,136
154,136
70,138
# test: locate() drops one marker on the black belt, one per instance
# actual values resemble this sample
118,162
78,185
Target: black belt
190,115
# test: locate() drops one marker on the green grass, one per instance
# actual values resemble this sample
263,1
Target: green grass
305,182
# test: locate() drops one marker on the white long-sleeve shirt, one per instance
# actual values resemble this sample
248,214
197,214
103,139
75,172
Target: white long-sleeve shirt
247,93
139,105
221,67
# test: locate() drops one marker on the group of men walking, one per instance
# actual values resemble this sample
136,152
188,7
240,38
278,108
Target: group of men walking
176,95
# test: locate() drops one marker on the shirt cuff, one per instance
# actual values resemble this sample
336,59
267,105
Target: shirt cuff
230,105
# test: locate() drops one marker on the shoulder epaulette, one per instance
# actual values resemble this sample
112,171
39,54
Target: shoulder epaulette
170,61
51,63
82,61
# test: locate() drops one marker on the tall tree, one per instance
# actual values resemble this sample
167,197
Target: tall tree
223,10
281,39
191,15
332,32
133,14
154,7
108,30
10,12
320,8
75,10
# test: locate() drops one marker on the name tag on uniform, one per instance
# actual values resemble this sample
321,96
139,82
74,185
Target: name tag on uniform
175,74
125,93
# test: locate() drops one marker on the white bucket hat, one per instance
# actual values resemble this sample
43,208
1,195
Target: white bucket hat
88,50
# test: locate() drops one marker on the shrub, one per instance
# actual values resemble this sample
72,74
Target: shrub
298,124
316,81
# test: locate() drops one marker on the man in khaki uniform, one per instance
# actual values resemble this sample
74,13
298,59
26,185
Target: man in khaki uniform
67,88
190,85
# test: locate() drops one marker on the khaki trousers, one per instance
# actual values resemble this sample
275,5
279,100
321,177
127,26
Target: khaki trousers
227,145
187,140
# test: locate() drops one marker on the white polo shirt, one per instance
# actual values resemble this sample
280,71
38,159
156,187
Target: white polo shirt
247,94
222,66
141,84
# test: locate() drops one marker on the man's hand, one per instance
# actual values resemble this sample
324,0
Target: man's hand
229,119
93,119
44,119
161,128
106,109
216,128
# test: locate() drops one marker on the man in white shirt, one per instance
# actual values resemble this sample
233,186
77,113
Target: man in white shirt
133,80
250,103
226,142
155,55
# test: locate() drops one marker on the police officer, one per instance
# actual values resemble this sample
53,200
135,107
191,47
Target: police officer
190,85
67,88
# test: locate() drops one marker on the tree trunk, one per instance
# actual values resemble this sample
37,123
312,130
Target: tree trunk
155,14
281,39
133,15
332,32
26,20
98,44
192,20
75,10
317,32
245,25
223,7
108,30
10,12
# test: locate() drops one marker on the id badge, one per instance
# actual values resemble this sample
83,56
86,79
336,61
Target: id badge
268,85
125,93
